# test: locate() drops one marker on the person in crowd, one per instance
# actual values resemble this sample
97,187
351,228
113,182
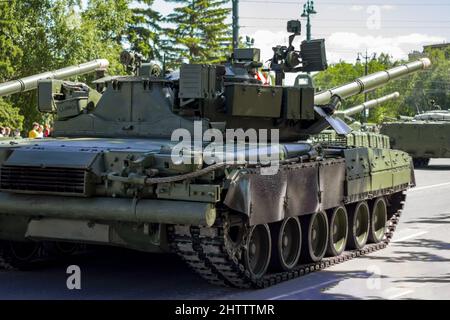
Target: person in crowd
40,131
7,131
2,132
17,134
33,134
47,131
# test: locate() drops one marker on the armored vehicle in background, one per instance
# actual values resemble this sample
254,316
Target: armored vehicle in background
141,162
424,136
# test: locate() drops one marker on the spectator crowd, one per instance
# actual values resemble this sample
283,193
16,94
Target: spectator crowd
7,132
37,131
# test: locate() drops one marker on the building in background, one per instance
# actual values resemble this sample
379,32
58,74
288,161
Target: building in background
415,55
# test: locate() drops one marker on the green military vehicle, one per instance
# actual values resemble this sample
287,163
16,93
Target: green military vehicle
140,162
424,136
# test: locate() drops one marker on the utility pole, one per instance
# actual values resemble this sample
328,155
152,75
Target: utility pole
308,10
366,72
235,10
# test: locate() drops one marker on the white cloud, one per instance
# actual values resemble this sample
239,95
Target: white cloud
358,8
265,40
346,45
387,7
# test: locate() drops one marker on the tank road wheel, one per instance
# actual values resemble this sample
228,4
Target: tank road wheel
378,221
338,232
359,221
287,244
257,250
20,255
315,237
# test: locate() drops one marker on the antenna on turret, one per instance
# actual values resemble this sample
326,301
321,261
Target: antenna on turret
235,10
418,109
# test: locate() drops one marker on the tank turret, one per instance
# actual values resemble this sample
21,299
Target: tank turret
223,97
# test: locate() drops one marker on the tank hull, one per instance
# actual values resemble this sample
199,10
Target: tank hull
165,215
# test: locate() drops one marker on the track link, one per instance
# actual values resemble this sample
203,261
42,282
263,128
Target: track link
206,251
42,256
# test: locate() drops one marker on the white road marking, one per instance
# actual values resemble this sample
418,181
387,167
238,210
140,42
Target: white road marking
306,289
430,187
398,295
410,236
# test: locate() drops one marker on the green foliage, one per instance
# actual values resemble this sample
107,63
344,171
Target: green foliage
144,30
415,90
54,34
10,116
9,51
200,33
111,17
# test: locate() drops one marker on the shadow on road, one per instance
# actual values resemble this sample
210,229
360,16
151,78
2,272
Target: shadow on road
436,167
438,279
415,254
443,218
410,256
425,243
111,273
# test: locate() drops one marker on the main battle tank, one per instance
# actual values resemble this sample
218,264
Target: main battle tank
423,136
141,162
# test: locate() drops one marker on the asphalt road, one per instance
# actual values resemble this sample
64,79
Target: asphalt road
415,266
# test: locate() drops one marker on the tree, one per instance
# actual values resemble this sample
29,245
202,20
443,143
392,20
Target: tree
200,33
57,33
10,116
9,51
144,30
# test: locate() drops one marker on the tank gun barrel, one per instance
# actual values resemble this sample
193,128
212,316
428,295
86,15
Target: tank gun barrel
368,105
371,82
31,82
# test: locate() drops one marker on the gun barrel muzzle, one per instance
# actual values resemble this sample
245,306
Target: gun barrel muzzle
31,82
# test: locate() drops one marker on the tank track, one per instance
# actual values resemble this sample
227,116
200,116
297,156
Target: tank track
42,256
205,250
